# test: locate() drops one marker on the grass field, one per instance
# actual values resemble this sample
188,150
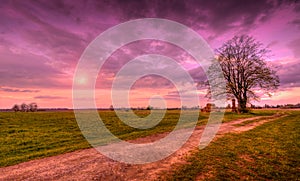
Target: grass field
27,136
268,152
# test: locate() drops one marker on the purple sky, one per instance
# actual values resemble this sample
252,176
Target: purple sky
42,41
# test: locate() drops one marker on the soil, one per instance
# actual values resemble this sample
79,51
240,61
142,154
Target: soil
89,164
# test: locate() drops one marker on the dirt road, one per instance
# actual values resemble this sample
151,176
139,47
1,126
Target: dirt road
88,164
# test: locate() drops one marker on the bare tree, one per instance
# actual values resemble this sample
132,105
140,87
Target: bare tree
24,107
111,107
242,60
149,107
16,108
33,107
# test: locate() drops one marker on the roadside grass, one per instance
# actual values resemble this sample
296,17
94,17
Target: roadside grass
268,152
28,136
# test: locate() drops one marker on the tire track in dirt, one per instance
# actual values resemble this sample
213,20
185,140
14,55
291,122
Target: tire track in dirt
89,164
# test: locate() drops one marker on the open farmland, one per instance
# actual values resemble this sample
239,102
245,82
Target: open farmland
257,147
27,136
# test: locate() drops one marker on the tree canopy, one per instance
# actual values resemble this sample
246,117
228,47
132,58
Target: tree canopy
242,60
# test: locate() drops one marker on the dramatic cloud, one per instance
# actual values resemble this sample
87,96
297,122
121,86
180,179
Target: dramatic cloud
49,97
17,90
21,69
295,47
216,16
41,42
289,74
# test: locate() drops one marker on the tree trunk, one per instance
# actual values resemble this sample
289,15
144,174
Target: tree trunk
242,106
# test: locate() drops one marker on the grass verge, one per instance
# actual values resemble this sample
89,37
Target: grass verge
268,152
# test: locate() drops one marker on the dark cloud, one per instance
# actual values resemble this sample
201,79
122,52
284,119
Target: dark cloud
296,5
41,33
56,6
18,90
61,30
296,22
295,47
232,14
23,69
49,97
198,74
123,55
152,82
288,72
216,16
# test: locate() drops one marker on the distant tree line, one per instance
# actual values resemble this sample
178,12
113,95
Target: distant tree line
149,107
32,107
283,106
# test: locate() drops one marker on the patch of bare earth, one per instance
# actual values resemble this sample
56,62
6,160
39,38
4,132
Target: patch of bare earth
89,164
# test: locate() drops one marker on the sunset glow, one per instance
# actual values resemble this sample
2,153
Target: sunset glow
41,43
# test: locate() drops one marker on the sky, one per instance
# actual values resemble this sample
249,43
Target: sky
42,41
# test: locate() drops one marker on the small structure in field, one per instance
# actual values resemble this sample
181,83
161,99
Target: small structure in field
233,107
208,107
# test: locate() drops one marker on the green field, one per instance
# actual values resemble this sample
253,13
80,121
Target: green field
27,136
268,152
